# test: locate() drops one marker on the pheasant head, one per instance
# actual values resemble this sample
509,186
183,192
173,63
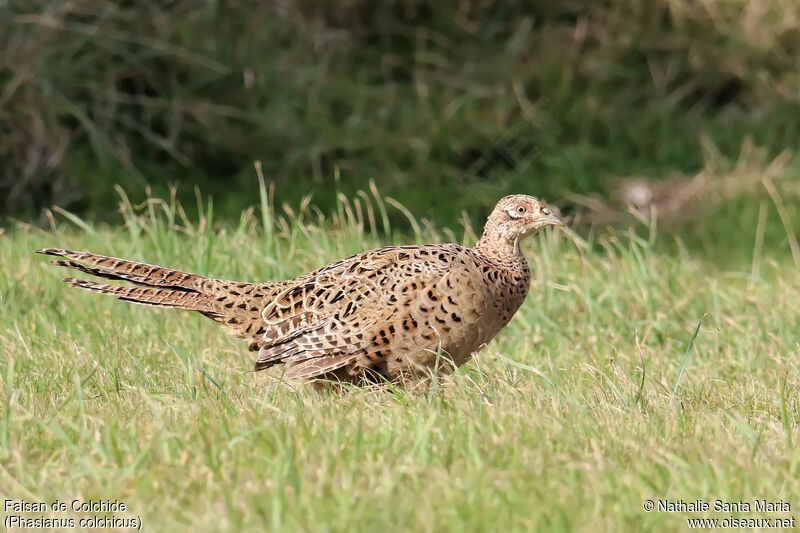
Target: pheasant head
513,218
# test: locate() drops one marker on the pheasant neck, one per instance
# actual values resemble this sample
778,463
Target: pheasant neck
499,248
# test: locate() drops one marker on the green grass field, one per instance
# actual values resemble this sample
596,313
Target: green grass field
632,372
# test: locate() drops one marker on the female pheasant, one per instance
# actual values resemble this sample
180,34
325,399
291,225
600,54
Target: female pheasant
392,312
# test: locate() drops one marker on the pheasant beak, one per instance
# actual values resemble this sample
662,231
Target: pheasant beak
550,219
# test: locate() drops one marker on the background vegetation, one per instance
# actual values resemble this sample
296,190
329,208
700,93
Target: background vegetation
446,105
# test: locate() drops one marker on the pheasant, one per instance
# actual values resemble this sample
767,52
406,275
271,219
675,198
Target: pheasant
389,313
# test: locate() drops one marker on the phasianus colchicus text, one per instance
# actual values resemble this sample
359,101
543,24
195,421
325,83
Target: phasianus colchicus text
390,312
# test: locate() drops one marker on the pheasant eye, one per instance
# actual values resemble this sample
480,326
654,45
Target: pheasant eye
521,209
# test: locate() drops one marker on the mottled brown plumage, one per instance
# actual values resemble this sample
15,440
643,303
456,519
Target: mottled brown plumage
391,312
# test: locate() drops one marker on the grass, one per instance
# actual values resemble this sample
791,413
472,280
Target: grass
629,374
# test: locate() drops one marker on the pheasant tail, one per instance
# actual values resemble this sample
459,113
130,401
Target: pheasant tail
164,287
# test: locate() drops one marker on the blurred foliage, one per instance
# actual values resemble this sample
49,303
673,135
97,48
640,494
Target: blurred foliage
446,105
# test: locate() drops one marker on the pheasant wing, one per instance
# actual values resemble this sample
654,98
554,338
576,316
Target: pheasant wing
367,310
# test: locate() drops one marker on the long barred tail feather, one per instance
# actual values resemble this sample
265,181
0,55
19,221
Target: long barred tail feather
107,274
176,299
124,270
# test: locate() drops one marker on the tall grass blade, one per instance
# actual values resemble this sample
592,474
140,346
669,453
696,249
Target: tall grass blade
685,361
